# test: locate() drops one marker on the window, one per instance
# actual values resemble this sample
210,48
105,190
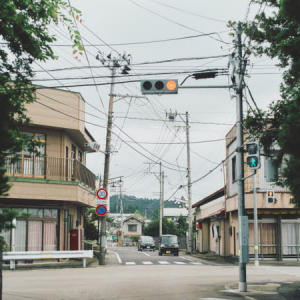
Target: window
132,228
73,157
233,166
80,156
30,164
37,232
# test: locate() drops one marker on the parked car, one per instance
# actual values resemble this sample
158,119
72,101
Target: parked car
146,243
168,244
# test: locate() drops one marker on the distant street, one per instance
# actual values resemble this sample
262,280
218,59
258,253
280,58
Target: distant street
145,276
131,256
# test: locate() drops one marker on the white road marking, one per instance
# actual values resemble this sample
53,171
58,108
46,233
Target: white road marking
179,263
196,263
141,252
162,262
185,258
147,262
130,263
118,257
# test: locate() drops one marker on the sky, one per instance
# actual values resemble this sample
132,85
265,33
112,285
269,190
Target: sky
154,31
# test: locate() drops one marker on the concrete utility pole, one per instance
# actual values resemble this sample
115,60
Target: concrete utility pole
189,183
255,220
112,64
101,257
242,219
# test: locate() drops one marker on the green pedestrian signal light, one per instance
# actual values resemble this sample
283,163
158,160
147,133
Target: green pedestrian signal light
253,156
159,86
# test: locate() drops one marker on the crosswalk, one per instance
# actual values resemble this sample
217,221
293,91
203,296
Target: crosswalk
162,262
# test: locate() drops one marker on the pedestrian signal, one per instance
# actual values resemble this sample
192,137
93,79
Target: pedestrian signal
253,156
270,197
158,87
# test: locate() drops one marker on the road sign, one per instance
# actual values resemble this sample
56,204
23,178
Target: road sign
101,210
102,194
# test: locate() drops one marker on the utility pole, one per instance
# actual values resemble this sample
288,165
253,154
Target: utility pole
242,219
161,200
115,64
187,128
161,195
256,263
189,183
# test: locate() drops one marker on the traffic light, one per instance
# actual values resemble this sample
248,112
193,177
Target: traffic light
253,156
270,197
159,86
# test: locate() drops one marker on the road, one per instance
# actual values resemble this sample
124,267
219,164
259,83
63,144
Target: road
131,256
177,279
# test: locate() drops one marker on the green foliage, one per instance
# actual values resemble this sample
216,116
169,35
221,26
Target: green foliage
23,28
182,226
276,35
90,230
131,204
168,227
6,218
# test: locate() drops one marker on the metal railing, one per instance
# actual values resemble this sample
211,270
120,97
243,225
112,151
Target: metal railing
51,168
32,255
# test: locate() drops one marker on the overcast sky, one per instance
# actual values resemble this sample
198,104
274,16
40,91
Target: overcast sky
139,28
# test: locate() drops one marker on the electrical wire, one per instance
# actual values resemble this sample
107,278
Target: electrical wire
174,22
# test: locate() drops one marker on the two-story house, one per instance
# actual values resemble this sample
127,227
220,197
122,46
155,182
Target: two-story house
278,223
56,187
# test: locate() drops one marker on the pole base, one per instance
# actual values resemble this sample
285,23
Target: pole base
243,286
256,263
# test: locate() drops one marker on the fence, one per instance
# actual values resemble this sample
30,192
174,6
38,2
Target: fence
52,168
31,255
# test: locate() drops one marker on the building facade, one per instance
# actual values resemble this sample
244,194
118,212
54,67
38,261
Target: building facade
278,222
53,188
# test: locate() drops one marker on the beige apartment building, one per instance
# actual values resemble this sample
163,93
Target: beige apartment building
56,187
217,215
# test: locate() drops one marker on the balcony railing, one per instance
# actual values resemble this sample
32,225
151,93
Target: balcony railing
51,168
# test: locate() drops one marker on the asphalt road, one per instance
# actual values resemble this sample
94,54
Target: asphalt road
140,281
131,256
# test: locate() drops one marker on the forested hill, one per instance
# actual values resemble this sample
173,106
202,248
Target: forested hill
131,204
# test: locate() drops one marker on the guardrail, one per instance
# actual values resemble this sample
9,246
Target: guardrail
30,255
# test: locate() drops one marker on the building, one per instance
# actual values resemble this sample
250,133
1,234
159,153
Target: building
212,225
132,229
172,214
278,222
56,187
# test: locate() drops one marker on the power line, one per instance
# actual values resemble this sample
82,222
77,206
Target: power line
174,22
188,12
160,120
112,132
141,43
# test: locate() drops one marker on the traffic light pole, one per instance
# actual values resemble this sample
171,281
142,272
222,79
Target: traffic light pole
101,256
240,167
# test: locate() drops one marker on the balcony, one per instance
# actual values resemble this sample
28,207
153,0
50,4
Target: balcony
50,168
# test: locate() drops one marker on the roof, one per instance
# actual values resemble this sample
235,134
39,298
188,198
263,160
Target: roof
130,218
219,193
175,212
218,212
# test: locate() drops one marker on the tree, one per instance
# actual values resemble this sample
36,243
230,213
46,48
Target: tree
182,226
23,29
168,227
276,35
